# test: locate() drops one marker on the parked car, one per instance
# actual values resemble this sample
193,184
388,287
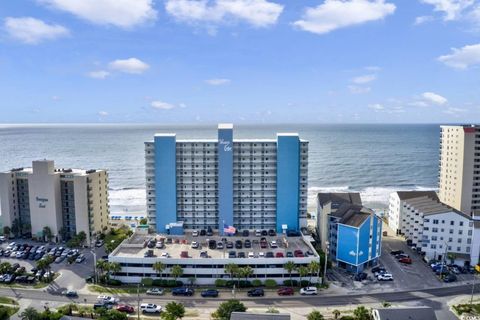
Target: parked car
308,291
150,308
258,233
203,232
99,305
405,260
210,293
195,233
251,255
229,245
272,233
241,254
248,244
269,254
59,259
156,291
377,269
80,258
258,292
238,244
279,255
183,291
298,253
246,233
195,245
289,254
232,254
287,291
395,252
99,243
401,256
70,293
107,299
450,278
360,276
184,254
125,308
273,244
385,277
219,245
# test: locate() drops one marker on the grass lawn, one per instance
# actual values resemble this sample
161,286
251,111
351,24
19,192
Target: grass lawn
5,300
10,309
467,308
115,290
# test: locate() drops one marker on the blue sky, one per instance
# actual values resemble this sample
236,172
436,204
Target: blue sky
242,61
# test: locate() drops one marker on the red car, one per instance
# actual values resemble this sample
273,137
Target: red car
279,255
406,260
285,291
298,254
125,308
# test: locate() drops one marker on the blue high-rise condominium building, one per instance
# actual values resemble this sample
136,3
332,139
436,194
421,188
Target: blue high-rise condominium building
248,183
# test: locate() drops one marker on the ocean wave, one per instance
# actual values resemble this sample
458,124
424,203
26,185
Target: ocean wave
127,197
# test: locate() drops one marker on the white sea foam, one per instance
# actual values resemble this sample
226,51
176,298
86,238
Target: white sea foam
127,197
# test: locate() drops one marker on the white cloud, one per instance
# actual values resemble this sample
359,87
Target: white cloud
103,113
422,19
358,89
462,58
99,74
32,31
452,9
161,105
364,79
419,103
335,14
434,98
376,107
373,68
217,81
131,65
259,13
454,111
120,13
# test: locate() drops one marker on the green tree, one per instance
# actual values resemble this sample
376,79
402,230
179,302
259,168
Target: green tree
232,270
272,310
47,233
336,313
173,311
113,267
303,272
159,267
315,315
361,313
143,221
246,272
314,268
225,309
102,267
30,314
25,228
7,231
15,227
81,238
176,272
113,314
5,267
45,265
290,266
4,313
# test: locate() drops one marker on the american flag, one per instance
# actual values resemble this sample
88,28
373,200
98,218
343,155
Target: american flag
229,229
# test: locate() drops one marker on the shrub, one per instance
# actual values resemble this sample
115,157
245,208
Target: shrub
147,282
256,283
158,283
347,318
114,282
238,284
220,283
289,283
304,283
270,283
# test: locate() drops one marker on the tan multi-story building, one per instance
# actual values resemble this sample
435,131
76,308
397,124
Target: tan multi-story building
459,185
67,201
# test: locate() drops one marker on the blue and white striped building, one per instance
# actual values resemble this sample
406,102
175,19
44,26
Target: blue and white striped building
249,183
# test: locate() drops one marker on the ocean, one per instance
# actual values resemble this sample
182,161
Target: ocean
372,159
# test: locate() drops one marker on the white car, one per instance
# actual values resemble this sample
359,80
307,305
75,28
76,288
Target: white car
107,299
273,244
251,255
156,291
308,291
195,233
165,255
261,254
385,277
195,244
150,308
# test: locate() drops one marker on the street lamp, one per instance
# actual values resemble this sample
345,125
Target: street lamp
327,248
138,301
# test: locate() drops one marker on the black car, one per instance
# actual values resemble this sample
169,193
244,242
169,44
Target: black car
450,278
395,252
258,292
272,233
203,232
229,245
360,276
247,244
377,269
293,233
264,233
183,291
269,254
212,244
246,233
289,254
232,254
209,293
238,244
241,255
209,232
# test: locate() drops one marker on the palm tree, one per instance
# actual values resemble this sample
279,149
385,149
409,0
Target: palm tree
5,267
159,267
303,272
246,272
232,270
176,272
29,314
336,313
114,267
47,233
102,266
314,268
45,265
290,266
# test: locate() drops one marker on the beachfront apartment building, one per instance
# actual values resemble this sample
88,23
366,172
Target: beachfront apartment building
459,176
439,231
245,183
67,201
350,232
396,203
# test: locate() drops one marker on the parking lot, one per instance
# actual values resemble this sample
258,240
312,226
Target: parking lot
70,276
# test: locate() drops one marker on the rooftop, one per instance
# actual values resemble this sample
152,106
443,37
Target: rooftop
411,313
404,195
134,247
429,206
352,214
337,198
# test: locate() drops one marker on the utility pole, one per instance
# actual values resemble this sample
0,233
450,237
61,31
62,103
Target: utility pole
473,286
138,301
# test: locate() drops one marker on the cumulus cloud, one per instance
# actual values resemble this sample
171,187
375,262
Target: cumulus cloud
358,89
217,81
462,58
335,14
376,107
454,111
103,113
99,74
131,65
434,98
452,9
422,19
161,105
364,79
259,13
119,13
32,31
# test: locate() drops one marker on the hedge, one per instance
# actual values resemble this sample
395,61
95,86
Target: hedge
114,282
238,284
256,283
166,283
289,283
220,283
270,283
147,282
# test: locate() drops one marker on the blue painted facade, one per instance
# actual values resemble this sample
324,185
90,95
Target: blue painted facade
165,181
288,181
353,248
225,177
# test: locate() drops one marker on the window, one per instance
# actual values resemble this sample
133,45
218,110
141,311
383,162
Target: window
452,223
451,231
433,246
460,231
435,221
461,223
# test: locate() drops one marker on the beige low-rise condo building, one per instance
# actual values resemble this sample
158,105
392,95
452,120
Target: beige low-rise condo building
67,201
